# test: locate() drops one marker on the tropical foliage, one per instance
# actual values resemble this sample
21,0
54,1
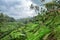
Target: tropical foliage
44,26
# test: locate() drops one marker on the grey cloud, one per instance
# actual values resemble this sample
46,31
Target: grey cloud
16,8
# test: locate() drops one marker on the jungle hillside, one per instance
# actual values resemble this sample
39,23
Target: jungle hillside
44,26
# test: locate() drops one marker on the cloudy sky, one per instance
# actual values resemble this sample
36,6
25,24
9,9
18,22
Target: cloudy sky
18,8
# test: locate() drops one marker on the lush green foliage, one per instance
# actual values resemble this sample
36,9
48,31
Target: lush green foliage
42,30
40,27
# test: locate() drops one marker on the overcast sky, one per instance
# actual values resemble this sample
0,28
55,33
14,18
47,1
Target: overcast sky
18,8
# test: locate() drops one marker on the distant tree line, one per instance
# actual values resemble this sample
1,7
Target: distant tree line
6,18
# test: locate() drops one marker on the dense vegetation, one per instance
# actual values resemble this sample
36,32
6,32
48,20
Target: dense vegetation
44,26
